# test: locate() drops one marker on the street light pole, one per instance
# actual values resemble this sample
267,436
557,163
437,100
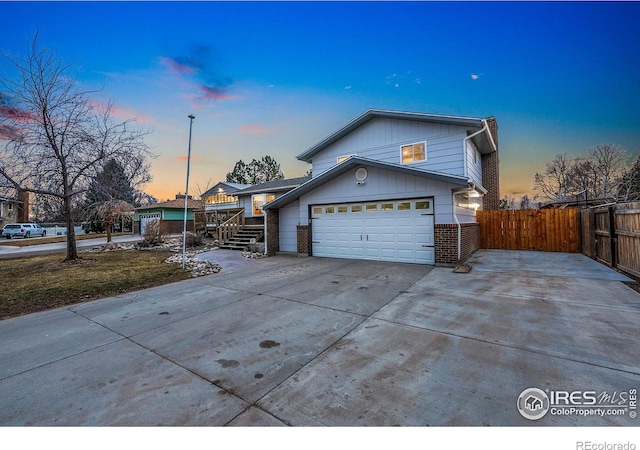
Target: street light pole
186,193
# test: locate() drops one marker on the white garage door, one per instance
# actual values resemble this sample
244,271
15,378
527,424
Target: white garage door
398,230
145,219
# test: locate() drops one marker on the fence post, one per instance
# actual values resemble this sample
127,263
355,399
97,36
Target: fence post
612,236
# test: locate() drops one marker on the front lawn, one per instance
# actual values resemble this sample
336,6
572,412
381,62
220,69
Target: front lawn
38,283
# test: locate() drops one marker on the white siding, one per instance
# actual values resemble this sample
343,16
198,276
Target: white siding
474,162
245,202
382,185
381,139
289,220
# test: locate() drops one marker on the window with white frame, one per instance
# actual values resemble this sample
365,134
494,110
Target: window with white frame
259,200
414,152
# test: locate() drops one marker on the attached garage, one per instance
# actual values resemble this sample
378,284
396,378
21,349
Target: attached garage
145,219
394,230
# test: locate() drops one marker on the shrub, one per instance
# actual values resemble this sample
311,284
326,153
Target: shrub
153,234
193,240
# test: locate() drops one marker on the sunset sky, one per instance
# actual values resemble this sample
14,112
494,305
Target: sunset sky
266,78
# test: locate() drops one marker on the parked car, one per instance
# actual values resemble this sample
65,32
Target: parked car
24,230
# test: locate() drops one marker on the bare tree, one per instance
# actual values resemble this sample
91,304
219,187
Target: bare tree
610,164
56,139
598,176
629,188
112,211
583,178
554,183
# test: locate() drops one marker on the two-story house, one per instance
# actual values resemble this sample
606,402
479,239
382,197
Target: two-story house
391,186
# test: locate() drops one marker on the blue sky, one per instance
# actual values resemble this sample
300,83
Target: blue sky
275,78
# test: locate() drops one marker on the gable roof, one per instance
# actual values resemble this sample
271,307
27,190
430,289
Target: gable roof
9,200
274,186
228,188
174,204
469,122
356,161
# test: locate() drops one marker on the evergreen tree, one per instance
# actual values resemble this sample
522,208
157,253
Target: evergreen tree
256,172
111,183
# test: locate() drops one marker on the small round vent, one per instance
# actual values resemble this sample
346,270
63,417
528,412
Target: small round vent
361,174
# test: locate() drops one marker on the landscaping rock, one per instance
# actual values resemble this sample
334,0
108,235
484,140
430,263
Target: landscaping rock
196,266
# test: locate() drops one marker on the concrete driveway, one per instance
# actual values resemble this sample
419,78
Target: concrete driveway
315,341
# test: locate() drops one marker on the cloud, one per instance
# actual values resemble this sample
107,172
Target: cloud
177,67
255,129
404,79
128,113
7,111
122,113
8,132
199,68
215,93
14,116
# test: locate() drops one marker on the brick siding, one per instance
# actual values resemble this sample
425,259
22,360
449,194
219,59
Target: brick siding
273,231
490,171
446,243
302,232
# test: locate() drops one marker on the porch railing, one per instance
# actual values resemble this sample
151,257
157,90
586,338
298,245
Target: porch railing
229,228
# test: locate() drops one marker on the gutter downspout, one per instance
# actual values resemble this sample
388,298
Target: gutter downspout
455,218
484,129
266,242
464,147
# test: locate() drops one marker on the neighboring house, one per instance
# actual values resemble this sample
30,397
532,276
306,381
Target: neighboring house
580,204
392,186
170,214
8,211
14,209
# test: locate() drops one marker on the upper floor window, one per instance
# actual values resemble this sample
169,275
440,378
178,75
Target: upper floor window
220,198
414,152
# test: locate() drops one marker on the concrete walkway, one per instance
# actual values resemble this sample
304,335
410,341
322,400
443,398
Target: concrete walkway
315,341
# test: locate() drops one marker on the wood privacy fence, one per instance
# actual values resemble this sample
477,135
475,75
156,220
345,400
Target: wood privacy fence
547,230
612,236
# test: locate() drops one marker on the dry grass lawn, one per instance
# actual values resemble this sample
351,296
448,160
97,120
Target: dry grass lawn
38,283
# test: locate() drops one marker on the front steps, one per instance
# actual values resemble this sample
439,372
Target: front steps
242,239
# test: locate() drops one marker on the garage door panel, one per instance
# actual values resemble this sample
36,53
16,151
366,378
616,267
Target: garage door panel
400,234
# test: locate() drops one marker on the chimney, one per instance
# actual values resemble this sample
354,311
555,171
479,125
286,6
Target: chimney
181,197
23,206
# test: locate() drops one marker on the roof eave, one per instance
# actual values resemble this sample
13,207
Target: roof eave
349,164
470,122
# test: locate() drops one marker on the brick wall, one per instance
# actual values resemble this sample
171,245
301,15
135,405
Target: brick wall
490,171
303,239
446,242
470,240
273,231
174,226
